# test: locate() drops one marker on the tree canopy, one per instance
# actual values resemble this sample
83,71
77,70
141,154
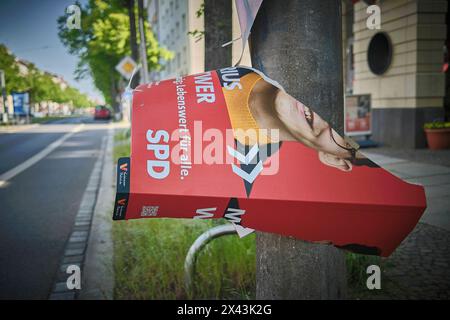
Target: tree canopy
103,41
41,85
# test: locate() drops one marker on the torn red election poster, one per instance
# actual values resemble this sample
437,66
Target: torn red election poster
232,144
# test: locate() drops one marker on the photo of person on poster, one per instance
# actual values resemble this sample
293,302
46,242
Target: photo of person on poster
255,102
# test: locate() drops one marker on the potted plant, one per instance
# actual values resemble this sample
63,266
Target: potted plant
438,135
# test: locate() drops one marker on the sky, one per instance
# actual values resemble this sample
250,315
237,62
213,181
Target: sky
29,29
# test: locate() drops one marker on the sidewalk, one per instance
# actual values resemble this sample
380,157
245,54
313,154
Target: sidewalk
420,267
17,128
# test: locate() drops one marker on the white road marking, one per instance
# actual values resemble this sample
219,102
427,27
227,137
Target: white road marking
8,175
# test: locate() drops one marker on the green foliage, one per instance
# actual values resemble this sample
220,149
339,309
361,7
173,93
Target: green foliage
14,81
149,261
198,34
437,125
40,84
48,119
149,257
201,11
357,265
123,136
103,41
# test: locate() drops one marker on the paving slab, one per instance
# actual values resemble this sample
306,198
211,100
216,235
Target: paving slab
438,180
438,213
416,170
382,160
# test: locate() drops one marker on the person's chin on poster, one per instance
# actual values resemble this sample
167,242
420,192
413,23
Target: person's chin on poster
272,108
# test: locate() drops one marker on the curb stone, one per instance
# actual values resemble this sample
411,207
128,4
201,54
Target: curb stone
76,246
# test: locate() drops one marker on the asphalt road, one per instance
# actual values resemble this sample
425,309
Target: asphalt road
38,205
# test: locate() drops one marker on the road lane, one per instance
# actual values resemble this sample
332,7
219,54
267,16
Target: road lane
8,175
38,208
17,147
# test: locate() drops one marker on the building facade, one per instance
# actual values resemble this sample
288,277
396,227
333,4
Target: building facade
401,66
175,23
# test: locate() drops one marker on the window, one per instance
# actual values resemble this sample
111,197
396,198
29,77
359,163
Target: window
183,22
379,53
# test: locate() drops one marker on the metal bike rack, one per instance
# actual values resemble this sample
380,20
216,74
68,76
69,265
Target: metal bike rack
199,243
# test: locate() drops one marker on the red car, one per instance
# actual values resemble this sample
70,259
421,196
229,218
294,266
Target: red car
102,113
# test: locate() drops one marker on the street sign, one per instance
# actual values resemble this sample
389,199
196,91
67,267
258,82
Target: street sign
126,67
233,144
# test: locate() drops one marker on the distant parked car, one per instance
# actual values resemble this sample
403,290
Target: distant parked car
102,113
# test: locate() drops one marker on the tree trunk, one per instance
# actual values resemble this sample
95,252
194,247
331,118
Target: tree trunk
218,30
133,38
115,94
298,43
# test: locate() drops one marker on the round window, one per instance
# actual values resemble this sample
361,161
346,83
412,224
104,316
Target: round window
379,54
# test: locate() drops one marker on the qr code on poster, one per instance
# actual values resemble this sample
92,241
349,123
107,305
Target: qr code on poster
149,211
